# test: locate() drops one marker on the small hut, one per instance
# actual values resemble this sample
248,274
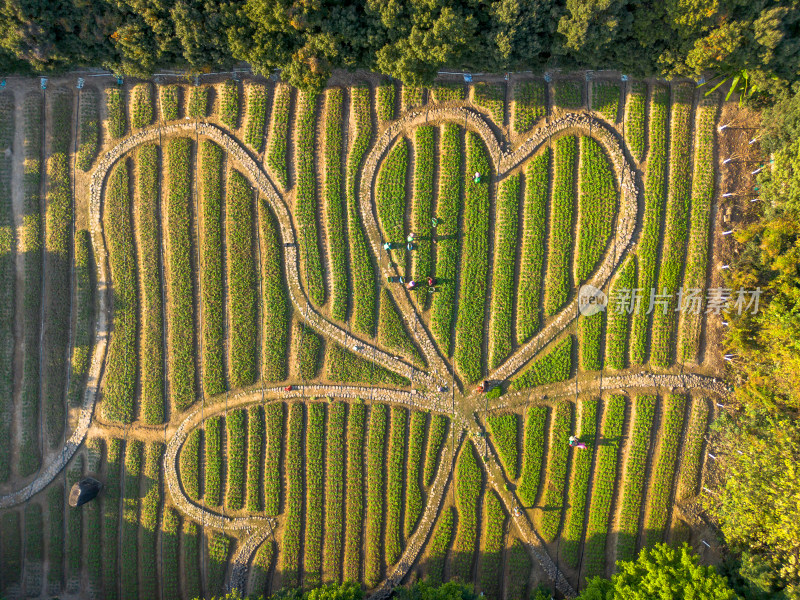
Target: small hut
84,491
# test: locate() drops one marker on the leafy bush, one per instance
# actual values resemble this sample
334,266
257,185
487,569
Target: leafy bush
274,415
236,423
376,483
553,498
439,545
279,133
413,497
448,204
170,102
343,366
491,563
532,454
88,129
474,264
554,366
354,507
198,102
617,322
141,105
275,303
529,105
334,204
385,100
394,486
256,116
635,120
567,94
529,288
334,491
503,272
392,333
255,456
229,104
213,463
115,109
293,511
503,428
605,99
491,97
315,494
189,464
421,205
468,485
151,341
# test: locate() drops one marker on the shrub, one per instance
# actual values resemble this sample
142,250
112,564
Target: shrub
532,454
491,563
392,333
88,129
553,500
334,204
255,457
189,464
279,133
229,104
346,367
275,302
198,102
394,487
385,101
115,109
236,422
376,482
439,545
151,345
617,322
468,485
334,491
605,99
567,94
529,105
436,435
121,365
504,429
503,272
491,97
421,205
354,507
475,264
256,116
315,499
635,121
554,366
290,549
274,415
211,275
532,247
213,463
414,496
170,101
141,105
242,283
217,562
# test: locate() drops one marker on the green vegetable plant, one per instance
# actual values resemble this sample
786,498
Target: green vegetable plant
255,457
439,545
617,323
557,461
354,492
256,116
636,119
605,99
422,205
503,428
189,462
275,301
492,98
532,454
279,133
376,483
141,105
343,366
334,491
274,417
528,106
334,204
213,462
115,109
293,510
229,104
170,96
468,485
554,366
88,128
414,493
437,430
393,534
236,423
567,94
385,101
315,499
198,102
491,563
392,333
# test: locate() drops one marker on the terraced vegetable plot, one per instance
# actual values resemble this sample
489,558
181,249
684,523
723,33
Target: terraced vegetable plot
359,320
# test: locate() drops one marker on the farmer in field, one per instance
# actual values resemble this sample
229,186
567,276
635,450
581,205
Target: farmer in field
576,443
411,284
389,246
477,177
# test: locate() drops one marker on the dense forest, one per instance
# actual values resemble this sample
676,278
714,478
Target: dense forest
758,40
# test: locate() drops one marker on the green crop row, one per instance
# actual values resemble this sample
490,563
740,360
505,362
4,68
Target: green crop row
598,203
554,366
315,490
439,545
474,263
256,116
491,562
242,282
305,202
491,97
391,331
211,275
274,415
692,455
129,535
189,464
567,94
290,549
122,363
506,241
334,491
605,477
58,243
503,428
676,225
448,207
579,487
413,499
10,550
654,193
217,562
229,104
213,462
179,275
279,133
385,101
354,493
88,129
94,517
308,351
590,335
198,102
170,101
190,544
697,250
334,204
55,542
534,215
8,277
469,482
436,435
74,537
34,549
391,197
262,563
141,105
394,486
31,247
411,96
448,92
553,500
115,109
170,571
532,454
275,303
111,503
343,366
663,476
558,276
151,343
421,205
529,105
376,483
519,571
635,119
638,449
605,99
148,519
362,272
255,453
84,309
236,424
617,322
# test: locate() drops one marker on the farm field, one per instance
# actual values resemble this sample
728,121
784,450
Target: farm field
205,307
